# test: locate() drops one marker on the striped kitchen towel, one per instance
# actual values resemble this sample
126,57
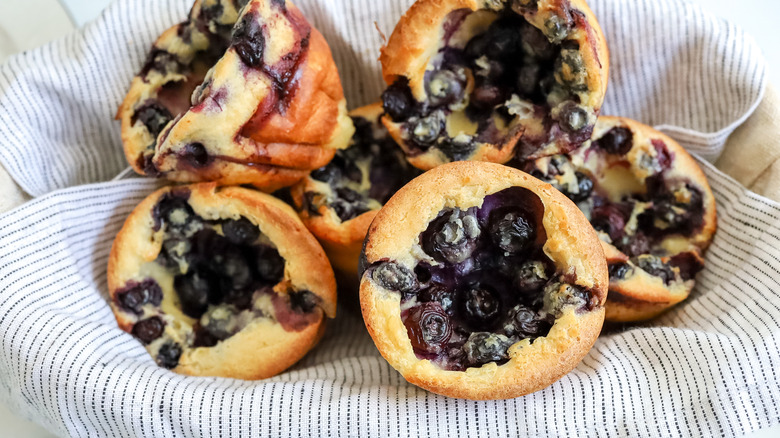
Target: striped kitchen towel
707,368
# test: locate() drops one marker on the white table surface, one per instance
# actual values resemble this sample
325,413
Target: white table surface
21,30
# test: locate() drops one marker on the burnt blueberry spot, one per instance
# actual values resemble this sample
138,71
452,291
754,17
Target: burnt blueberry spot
196,154
240,231
193,290
154,117
617,141
485,347
397,100
135,295
511,230
428,327
168,355
147,330
392,276
480,306
620,271
249,41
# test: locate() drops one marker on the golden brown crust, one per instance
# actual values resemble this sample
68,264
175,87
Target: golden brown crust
415,42
571,244
263,347
267,139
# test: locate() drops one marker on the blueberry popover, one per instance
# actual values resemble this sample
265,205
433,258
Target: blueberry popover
478,79
220,281
240,93
338,201
481,282
651,205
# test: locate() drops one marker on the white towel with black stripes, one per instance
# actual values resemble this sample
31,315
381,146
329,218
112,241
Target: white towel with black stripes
707,368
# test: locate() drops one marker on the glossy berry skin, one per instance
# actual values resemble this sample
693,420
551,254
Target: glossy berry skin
240,231
511,230
395,277
147,330
428,327
169,354
480,306
617,141
193,290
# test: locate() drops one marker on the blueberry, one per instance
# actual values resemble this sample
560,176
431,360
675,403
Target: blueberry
196,155
269,264
523,322
438,294
427,129
161,61
147,330
573,118
528,78
480,306
483,347
234,269
584,188
397,100
392,276
329,173
303,301
476,46
219,322
617,141
611,219
503,40
510,230
451,237
459,148
531,276
487,96
135,295
154,116
175,212
193,290
620,271
168,355
535,44
174,253
556,29
653,265
570,70
240,231
444,87
249,41
428,327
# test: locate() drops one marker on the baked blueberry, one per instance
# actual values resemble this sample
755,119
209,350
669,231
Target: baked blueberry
650,203
498,74
338,201
227,58
213,292
469,295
